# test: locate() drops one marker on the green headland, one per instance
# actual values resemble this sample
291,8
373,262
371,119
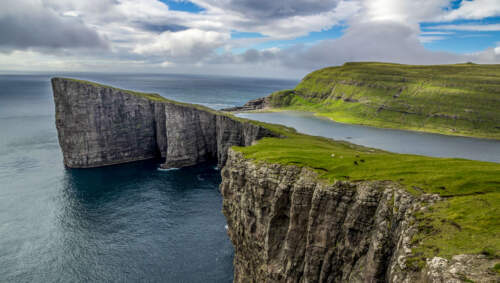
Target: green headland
460,99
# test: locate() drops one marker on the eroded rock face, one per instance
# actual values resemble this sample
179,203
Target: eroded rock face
287,226
232,132
191,136
99,125
255,104
461,268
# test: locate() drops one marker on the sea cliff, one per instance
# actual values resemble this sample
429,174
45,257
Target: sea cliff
289,226
100,125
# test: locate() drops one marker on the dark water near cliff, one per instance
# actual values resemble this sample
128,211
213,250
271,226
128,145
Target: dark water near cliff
125,223
387,139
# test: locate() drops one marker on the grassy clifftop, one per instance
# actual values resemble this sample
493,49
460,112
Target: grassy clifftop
461,99
466,222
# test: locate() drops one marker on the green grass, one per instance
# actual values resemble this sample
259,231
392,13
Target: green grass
496,268
468,221
461,99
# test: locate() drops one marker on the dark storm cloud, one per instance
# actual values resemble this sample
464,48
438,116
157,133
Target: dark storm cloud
159,28
24,26
253,55
273,9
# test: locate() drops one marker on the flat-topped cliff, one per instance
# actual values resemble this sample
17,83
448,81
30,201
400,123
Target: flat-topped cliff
100,125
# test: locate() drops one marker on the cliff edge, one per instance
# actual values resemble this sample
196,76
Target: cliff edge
289,225
99,125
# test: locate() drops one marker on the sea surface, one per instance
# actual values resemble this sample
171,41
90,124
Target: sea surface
125,223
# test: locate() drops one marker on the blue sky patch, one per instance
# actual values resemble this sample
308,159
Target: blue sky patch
182,5
311,38
238,34
459,40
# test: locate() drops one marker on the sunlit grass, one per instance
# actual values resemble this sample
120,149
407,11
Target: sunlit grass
460,99
467,221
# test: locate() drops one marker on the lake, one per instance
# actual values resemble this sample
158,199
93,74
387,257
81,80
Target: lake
388,139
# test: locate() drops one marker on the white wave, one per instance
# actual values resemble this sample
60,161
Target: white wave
169,169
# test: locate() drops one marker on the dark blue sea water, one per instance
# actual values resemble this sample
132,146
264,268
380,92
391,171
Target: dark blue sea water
125,223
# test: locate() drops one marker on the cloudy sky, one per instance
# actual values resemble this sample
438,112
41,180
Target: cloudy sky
278,38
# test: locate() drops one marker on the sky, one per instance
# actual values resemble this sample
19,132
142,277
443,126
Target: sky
258,38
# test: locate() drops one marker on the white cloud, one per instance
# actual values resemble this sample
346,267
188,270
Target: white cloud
476,9
191,42
467,27
436,33
167,64
404,12
146,35
431,38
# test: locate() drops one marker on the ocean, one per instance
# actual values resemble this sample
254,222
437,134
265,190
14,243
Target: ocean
124,223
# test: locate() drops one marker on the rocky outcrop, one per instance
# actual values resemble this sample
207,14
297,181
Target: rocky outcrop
286,225
461,268
99,125
255,104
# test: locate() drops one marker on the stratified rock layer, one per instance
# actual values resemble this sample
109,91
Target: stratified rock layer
99,125
286,226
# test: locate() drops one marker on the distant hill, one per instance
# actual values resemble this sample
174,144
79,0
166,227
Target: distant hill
461,99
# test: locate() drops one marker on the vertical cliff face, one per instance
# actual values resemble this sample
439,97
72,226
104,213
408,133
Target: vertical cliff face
190,134
99,125
231,132
287,226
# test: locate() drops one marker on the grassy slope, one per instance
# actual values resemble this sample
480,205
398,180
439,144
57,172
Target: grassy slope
467,222
462,99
